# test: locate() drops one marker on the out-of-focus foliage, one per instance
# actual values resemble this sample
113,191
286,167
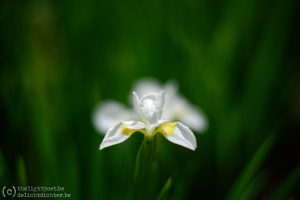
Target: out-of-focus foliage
237,60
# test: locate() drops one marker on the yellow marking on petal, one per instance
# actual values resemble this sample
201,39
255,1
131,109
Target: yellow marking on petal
127,131
167,128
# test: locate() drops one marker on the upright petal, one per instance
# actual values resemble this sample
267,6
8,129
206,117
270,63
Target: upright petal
146,86
160,104
152,106
120,132
137,104
110,113
179,134
171,89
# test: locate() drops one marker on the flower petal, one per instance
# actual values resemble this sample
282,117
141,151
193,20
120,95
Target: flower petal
179,134
120,132
146,85
134,125
194,119
171,89
151,106
110,113
160,104
180,109
137,105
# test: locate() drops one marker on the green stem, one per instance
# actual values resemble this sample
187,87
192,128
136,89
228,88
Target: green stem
143,166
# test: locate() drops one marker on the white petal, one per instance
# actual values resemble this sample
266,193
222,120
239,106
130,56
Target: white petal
171,88
160,104
171,101
152,105
183,136
134,125
174,107
180,109
193,118
147,85
120,132
137,105
110,113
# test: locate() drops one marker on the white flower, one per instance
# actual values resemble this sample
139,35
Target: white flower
150,110
177,108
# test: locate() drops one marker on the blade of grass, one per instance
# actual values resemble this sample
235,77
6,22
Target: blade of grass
251,168
255,187
21,170
165,190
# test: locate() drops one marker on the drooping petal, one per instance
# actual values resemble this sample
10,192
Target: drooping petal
109,113
134,125
179,134
120,132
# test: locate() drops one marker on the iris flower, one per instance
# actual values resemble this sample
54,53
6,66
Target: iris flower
177,108
149,109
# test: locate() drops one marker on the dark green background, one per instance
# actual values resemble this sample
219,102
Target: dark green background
237,60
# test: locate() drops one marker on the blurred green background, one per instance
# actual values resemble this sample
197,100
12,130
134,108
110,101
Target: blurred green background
237,60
